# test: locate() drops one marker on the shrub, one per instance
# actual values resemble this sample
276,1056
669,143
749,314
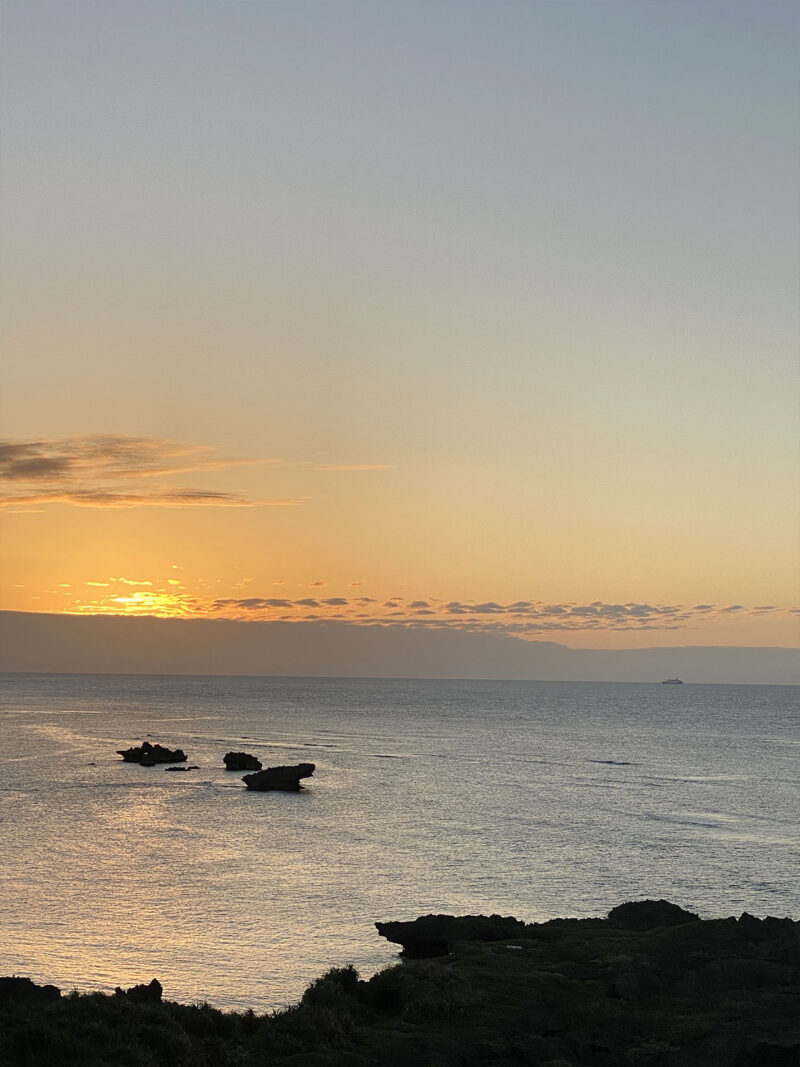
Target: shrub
419,991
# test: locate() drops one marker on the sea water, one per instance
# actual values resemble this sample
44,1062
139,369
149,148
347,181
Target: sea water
525,798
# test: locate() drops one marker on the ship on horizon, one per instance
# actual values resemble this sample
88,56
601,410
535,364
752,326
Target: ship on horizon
672,681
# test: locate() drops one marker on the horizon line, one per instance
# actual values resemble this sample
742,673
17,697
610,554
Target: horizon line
373,624
388,678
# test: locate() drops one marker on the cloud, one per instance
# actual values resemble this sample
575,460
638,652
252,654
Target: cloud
77,471
254,603
353,467
164,498
489,608
19,468
527,619
105,456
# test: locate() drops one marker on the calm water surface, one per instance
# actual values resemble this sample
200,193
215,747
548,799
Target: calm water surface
525,798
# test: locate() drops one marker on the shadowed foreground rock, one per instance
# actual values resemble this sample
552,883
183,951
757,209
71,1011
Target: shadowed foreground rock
148,755
627,991
648,914
144,993
286,778
23,990
241,761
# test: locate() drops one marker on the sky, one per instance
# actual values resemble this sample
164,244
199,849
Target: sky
473,316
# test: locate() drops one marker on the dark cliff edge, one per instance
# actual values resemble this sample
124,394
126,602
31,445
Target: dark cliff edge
651,984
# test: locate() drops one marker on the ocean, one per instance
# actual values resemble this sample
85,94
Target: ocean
526,798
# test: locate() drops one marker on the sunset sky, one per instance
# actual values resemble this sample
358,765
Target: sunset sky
467,314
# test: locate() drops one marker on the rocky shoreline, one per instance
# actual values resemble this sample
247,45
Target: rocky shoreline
650,985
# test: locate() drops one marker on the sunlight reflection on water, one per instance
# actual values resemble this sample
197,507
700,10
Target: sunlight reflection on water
531,799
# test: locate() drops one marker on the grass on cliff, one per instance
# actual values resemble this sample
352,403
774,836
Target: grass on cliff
580,994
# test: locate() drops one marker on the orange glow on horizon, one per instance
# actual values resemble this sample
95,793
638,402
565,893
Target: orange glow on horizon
595,624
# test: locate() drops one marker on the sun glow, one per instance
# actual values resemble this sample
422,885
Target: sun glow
532,620
166,604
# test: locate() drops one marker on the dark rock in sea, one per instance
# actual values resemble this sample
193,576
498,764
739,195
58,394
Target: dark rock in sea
191,767
23,990
648,914
241,761
147,755
285,778
144,993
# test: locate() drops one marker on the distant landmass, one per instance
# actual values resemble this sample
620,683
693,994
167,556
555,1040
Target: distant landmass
96,644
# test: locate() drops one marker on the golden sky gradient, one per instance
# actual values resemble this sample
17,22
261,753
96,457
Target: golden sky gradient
468,315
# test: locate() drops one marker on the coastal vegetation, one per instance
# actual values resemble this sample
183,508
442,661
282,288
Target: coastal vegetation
649,985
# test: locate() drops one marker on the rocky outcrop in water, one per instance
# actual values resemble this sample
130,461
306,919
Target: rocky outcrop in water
241,761
147,755
284,778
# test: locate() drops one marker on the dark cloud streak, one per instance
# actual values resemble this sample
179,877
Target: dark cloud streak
77,471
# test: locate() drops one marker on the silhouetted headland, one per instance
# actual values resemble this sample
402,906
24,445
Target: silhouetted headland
651,984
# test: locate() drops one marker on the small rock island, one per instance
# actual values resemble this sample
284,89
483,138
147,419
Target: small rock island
147,755
241,761
284,778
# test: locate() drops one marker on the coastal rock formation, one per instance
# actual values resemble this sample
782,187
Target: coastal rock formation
147,755
652,984
146,993
24,991
677,992
241,761
434,935
285,778
648,914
